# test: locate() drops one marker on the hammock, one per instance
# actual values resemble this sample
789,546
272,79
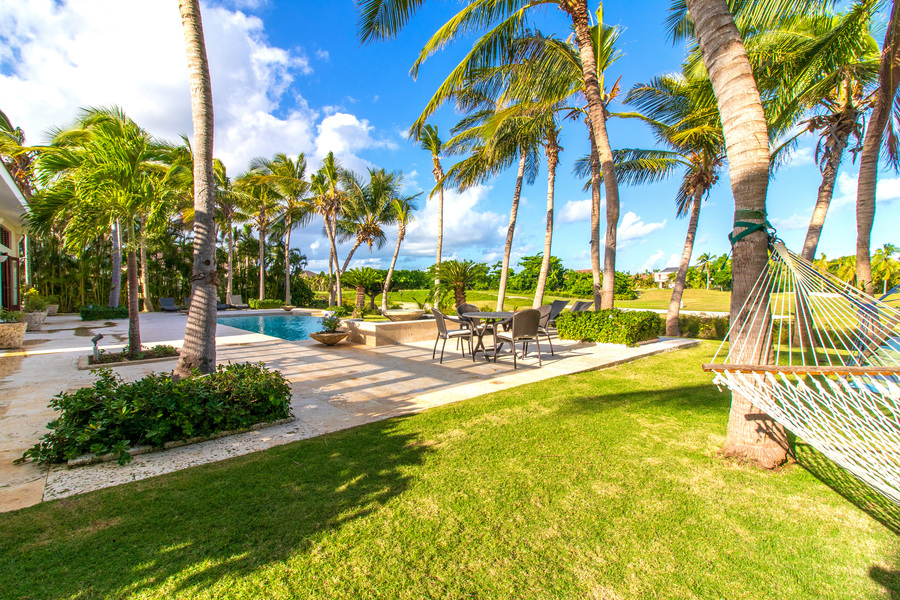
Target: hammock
823,360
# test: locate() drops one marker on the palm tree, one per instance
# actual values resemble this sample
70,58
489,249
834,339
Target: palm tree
746,138
381,19
884,266
287,176
368,209
457,275
328,201
99,172
682,117
228,213
704,263
363,279
885,98
262,201
431,141
403,209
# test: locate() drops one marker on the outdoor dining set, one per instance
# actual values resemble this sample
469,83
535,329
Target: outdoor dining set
521,327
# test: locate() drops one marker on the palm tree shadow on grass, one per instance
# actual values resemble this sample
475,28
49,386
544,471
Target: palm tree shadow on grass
860,495
218,521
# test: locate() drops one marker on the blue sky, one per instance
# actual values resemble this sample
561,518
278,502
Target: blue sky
292,77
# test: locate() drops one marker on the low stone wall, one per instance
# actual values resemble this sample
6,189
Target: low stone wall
386,333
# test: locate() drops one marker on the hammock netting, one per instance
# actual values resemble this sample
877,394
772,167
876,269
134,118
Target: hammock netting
822,359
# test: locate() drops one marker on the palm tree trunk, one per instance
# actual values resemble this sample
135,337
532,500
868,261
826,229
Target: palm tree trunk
145,275
287,264
199,349
262,264
134,325
401,233
438,175
115,290
330,276
826,192
356,245
230,280
552,159
596,173
888,78
672,328
751,434
578,11
513,215
330,230
360,301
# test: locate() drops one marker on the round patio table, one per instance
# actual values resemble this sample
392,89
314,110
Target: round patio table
493,318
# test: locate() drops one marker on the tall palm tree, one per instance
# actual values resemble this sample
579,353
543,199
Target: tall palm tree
368,209
381,19
199,350
704,264
746,141
884,266
682,115
403,209
97,173
885,99
228,214
288,177
261,200
328,200
428,136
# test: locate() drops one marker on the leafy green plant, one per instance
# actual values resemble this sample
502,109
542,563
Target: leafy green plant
611,326
32,301
111,415
101,313
272,303
158,351
11,316
330,324
706,328
340,311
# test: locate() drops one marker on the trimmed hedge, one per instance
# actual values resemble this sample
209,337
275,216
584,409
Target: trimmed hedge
102,313
111,416
704,328
610,326
265,303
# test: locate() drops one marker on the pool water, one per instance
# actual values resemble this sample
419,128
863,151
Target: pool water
286,327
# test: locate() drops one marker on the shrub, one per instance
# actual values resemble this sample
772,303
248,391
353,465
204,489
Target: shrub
102,313
301,293
629,295
32,301
317,303
159,351
111,416
264,303
706,328
11,316
611,326
330,324
340,311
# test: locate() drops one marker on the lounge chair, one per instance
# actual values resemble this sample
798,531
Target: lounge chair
445,334
168,305
581,306
238,302
544,323
524,329
556,308
222,306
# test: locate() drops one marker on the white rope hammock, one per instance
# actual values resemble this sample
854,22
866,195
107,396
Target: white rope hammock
823,360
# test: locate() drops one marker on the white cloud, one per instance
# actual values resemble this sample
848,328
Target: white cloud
345,134
575,210
59,55
466,225
802,157
795,221
315,245
633,227
322,54
652,261
674,260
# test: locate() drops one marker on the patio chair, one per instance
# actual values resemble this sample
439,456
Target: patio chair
445,334
543,325
581,306
238,302
222,306
168,305
557,307
525,328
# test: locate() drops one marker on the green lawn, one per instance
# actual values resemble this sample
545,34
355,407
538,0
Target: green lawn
598,485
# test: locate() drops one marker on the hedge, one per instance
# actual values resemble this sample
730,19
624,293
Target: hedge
704,328
102,313
265,303
610,326
111,416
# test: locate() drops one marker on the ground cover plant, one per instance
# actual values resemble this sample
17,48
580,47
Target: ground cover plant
611,326
158,351
598,485
112,416
102,313
258,304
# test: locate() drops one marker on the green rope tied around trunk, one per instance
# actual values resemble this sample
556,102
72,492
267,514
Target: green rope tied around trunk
750,227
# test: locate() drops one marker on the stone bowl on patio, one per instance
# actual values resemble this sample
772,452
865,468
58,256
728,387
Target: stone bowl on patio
404,315
329,338
12,335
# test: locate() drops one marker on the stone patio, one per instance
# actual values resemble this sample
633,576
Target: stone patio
333,388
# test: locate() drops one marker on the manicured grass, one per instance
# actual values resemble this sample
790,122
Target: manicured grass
597,485
708,300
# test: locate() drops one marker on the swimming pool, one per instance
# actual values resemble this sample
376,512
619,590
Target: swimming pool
286,327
